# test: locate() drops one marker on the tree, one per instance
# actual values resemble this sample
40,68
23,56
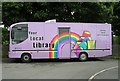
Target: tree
68,12
5,36
116,19
94,12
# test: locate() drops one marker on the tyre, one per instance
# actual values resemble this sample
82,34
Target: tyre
83,56
26,58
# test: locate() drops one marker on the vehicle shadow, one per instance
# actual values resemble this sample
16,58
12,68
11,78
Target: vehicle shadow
65,60
7,60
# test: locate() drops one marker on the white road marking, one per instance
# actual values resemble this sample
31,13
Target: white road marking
92,77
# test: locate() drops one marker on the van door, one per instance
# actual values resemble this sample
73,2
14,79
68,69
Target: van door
64,42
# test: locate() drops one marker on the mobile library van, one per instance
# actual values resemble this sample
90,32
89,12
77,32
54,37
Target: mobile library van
59,40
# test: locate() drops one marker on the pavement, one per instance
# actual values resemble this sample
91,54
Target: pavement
60,69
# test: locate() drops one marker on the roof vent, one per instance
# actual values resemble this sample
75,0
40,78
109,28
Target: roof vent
51,21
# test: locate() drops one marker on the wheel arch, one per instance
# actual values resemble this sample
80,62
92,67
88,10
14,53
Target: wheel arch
24,53
84,53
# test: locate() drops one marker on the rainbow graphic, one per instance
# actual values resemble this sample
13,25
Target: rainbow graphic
83,42
54,54
63,38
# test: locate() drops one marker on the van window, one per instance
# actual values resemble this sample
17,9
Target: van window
19,33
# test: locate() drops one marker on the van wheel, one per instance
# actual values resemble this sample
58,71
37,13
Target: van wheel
83,56
26,58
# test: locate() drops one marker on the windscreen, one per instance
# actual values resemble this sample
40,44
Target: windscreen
19,33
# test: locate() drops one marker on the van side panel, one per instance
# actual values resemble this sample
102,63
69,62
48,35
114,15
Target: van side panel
43,40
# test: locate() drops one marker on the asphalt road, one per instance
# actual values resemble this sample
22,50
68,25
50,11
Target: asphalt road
61,69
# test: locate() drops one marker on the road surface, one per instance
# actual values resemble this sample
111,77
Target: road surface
61,69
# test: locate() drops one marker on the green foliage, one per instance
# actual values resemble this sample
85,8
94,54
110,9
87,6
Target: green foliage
94,12
116,19
5,36
82,12
116,40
